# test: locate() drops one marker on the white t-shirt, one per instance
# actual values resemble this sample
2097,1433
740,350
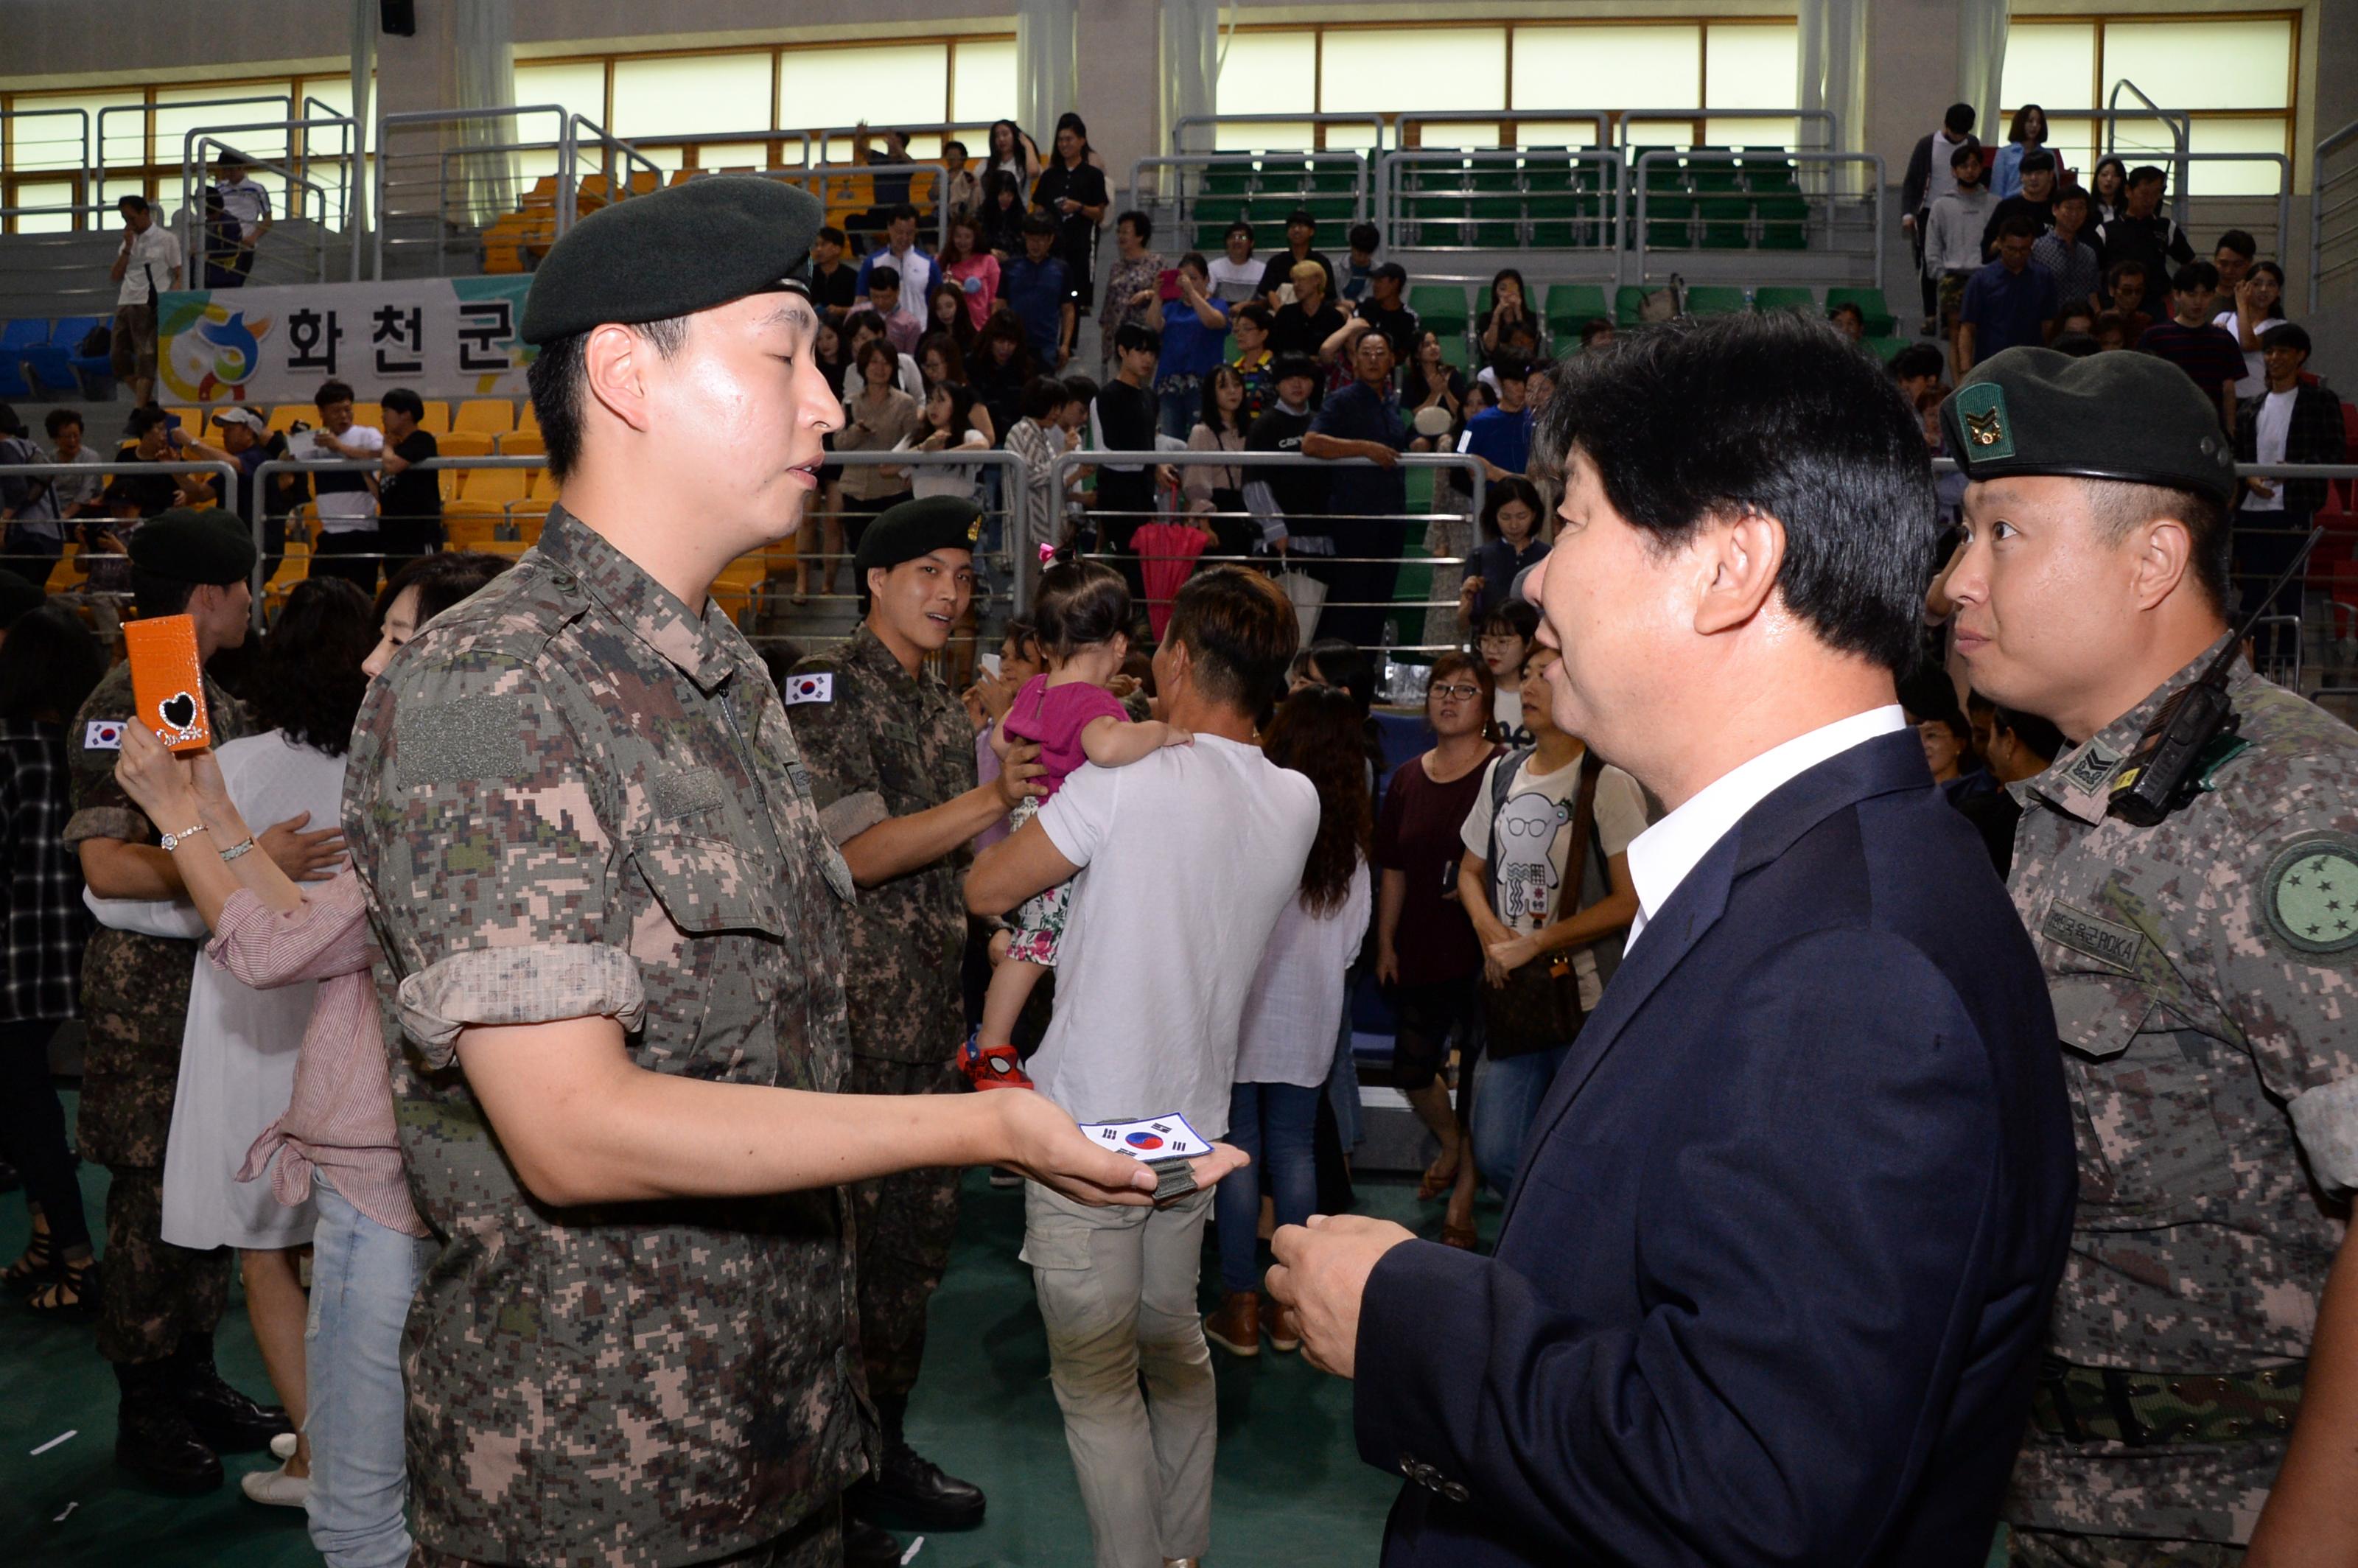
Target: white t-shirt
1507,708
1187,859
1529,862
2256,369
153,251
1297,997
1235,282
2275,425
341,510
944,479
247,201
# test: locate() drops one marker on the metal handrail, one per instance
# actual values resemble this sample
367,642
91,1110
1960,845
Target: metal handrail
820,136
1188,122
192,168
149,111
1600,118
2181,129
226,473
1182,161
618,183
801,138
1390,199
1876,194
1799,116
2319,183
83,162
562,142
814,178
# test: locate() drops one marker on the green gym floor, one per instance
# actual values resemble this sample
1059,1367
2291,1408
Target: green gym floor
1290,1488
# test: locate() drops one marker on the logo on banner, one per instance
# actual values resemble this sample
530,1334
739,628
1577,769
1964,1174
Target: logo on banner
215,353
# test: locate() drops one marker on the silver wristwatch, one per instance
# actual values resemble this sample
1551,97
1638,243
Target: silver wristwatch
174,841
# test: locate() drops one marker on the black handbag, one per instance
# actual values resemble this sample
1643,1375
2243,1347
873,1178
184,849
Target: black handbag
1539,1006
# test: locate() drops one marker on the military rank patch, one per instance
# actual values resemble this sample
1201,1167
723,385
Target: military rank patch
463,739
808,688
1981,407
2310,893
2087,770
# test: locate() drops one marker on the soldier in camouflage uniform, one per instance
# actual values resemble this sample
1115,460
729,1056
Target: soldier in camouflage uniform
610,941
892,768
159,1303
2202,975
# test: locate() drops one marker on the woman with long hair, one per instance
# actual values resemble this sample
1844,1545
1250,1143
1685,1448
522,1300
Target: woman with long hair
2109,191
1011,153
1071,189
1285,1048
1509,306
970,268
2027,131
953,421
1002,215
239,1047
997,367
48,666
1216,495
945,315
1426,955
335,1147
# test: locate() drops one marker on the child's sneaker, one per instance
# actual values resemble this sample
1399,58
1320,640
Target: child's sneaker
992,1067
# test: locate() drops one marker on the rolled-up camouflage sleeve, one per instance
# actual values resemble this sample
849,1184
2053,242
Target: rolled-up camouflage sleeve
836,747
490,869
2292,975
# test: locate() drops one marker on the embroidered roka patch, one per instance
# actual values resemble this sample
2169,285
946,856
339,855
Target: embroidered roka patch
809,689
2310,893
2109,943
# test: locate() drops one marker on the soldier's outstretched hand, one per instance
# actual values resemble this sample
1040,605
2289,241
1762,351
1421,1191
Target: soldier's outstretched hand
1045,1143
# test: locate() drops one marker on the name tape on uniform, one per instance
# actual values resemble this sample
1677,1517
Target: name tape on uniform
1156,1138
809,689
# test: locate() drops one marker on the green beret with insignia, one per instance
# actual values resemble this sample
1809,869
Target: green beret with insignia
2126,417
915,528
194,547
671,253
19,599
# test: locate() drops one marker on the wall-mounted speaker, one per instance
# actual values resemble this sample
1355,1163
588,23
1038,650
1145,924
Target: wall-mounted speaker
400,17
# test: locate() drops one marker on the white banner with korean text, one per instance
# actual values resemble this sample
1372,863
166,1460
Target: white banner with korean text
441,337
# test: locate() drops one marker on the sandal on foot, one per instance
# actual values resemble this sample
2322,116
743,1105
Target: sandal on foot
70,1291
1462,1236
992,1067
37,1265
1436,1182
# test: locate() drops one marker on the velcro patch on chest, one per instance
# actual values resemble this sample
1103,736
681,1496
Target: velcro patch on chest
2310,894
689,791
463,739
2107,942
819,688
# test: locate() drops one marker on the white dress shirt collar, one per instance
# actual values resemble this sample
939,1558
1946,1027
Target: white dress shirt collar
1661,857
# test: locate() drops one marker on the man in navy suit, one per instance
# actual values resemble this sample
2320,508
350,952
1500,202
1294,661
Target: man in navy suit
1773,1285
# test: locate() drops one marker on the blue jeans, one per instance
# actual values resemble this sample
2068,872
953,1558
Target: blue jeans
1179,412
363,1277
1507,1094
1276,1124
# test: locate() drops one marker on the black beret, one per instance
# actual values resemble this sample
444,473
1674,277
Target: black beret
19,599
2127,416
672,252
194,547
915,528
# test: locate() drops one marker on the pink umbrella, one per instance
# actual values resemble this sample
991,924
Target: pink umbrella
1166,555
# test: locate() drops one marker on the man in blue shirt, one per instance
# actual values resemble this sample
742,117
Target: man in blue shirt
2009,304
1363,421
1502,435
1039,289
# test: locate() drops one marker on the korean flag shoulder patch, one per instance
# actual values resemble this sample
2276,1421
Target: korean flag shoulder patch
816,687
103,735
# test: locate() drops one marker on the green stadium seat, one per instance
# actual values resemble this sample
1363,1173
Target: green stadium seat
1496,233
1715,299
1211,238
1570,304
1438,219
1785,297
1333,177
1726,219
1441,307
1667,221
1556,221
1228,179
1880,321
1626,300
1885,349
1784,222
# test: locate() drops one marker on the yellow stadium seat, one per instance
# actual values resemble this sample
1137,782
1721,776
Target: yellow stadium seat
523,444
527,416
368,414
466,444
303,523
438,416
471,524
645,180
733,590
542,194
292,568
526,519
283,418
501,485
492,416
682,176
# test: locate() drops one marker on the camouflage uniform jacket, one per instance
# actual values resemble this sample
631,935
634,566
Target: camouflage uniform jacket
2202,973
569,797
135,989
885,743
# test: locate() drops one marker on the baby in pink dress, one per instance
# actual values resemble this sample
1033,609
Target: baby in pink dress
1083,614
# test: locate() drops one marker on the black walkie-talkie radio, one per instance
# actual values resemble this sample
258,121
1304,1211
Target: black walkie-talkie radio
2158,775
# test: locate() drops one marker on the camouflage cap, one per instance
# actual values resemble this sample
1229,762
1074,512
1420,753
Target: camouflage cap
673,252
2133,418
188,546
915,528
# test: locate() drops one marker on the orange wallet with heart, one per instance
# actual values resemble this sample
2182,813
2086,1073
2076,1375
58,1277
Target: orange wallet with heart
167,685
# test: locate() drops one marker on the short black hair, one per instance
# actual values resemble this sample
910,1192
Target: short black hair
10,424
558,381
1958,119
1080,389
2037,159
130,203
1510,367
402,400
1776,415
1301,217
2076,345
1970,149
884,275
832,235
2145,171
1289,367
1254,311
1043,396
2070,193
58,420
2194,277
2284,335
1918,360
2239,242
1239,227
308,676
1132,335
900,210
144,418
331,391
1078,604
1593,329
154,594
1847,308
1138,220
954,142
1239,632
441,581
2021,226
2121,270
1516,617
1365,236
1039,223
